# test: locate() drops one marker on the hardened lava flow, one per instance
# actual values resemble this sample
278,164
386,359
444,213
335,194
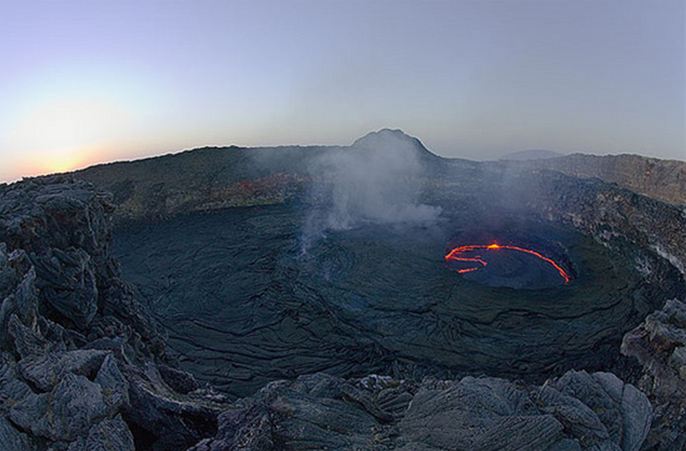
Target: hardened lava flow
466,254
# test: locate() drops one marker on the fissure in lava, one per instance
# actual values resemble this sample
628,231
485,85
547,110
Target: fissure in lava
461,254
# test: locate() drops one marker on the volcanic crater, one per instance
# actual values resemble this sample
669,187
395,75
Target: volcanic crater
372,296
244,305
503,282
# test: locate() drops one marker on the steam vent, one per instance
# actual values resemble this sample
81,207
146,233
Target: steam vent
371,296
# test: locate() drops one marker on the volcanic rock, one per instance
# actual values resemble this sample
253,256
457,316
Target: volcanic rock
106,435
63,414
173,417
114,386
68,284
45,371
658,344
75,339
577,411
12,439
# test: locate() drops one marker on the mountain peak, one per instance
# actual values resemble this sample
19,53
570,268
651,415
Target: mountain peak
390,139
383,135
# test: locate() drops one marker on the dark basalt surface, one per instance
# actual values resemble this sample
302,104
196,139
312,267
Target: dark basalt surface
243,305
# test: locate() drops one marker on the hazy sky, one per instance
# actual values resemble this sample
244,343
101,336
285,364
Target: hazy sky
95,80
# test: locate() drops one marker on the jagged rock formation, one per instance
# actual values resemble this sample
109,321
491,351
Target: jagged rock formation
82,367
659,344
575,411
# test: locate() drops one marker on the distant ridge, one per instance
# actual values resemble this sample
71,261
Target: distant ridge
664,180
531,154
217,177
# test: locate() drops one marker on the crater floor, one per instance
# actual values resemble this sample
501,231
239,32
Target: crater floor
244,305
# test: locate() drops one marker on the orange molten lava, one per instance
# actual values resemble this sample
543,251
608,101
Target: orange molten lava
457,254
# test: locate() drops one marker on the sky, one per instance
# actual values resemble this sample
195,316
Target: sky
92,81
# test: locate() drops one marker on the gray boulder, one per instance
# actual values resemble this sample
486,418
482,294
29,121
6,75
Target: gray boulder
658,345
478,413
108,435
623,411
67,282
13,440
12,388
47,370
114,387
65,413
175,419
577,411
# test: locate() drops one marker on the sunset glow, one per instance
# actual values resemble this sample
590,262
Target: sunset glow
122,80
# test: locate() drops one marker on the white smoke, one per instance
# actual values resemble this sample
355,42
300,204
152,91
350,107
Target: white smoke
377,180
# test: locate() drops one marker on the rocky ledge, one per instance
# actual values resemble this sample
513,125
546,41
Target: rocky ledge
576,411
83,367
659,344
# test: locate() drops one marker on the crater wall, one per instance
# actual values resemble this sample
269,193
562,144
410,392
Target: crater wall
77,340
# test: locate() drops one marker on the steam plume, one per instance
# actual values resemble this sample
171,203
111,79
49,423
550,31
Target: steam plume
376,180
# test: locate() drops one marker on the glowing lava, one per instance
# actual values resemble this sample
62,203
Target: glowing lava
458,254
